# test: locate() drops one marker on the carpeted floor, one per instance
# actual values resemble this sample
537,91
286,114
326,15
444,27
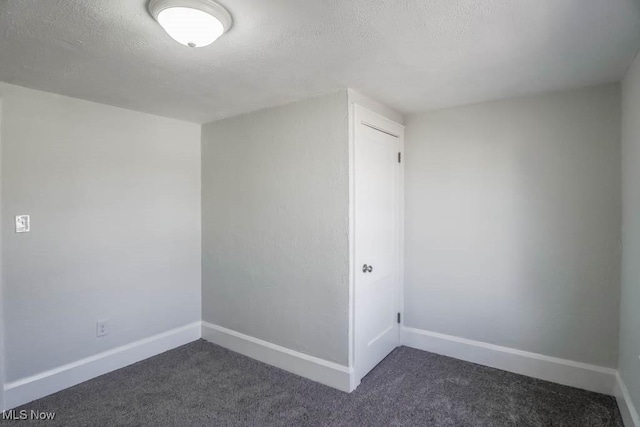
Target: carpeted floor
203,384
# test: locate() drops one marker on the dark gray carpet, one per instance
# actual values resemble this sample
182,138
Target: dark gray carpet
203,384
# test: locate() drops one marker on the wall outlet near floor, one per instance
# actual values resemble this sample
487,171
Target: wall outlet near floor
102,328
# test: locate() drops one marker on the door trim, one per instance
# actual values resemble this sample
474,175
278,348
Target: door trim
361,115
369,125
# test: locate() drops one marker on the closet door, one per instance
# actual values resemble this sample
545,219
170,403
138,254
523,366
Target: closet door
377,190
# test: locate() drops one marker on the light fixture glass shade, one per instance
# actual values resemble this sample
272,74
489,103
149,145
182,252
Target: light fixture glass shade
193,23
190,27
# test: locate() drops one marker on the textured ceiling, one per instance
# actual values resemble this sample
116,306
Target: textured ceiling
413,55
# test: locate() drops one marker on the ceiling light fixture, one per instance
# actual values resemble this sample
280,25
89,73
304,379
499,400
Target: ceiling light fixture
193,23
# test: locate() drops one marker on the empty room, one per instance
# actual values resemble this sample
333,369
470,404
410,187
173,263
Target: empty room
320,213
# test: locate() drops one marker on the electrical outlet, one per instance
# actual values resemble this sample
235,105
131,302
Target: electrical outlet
102,328
23,224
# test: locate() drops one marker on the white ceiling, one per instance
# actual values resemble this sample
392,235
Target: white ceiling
413,55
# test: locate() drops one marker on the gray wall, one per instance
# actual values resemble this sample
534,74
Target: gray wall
114,199
2,350
629,363
513,223
275,225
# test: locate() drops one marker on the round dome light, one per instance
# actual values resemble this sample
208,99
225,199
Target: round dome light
193,23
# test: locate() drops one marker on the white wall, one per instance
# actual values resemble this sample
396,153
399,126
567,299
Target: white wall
629,364
513,223
114,199
275,225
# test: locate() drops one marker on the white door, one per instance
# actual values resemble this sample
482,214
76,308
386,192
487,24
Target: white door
378,143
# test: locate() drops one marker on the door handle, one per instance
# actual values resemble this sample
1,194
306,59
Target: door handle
367,268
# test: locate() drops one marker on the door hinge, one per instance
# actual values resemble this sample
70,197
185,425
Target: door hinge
398,317
399,157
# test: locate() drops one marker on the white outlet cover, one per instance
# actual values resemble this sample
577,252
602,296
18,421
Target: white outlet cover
23,224
102,328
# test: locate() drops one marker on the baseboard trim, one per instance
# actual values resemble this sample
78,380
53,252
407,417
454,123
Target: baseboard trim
627,409
562,371
40,385
304,365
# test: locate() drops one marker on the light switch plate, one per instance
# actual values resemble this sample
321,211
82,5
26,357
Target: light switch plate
23,224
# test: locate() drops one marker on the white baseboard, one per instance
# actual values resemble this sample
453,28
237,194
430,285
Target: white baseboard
627,409
313,368
34,387
562,371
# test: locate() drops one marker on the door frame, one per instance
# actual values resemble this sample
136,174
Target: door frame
358,114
